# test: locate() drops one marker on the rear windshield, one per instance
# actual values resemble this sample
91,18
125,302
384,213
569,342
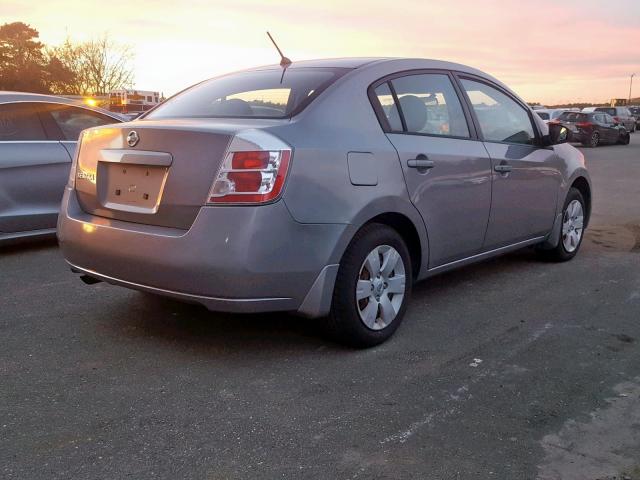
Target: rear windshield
635,110
543,115
254,94
574,117
610,111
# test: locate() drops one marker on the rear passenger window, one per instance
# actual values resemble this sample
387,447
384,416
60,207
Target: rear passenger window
501,118
389,108
19,121
429,105
73,120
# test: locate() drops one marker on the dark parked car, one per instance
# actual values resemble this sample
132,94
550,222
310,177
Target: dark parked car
38,137
592,129
621,115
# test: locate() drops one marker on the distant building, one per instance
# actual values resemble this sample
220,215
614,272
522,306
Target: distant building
133,101
618,102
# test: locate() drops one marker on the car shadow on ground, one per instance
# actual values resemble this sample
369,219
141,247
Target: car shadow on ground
150,317
21,246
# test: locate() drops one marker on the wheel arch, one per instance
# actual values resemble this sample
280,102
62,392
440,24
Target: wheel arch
400,214
582,185
407,230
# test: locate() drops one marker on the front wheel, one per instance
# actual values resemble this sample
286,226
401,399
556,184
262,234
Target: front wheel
624,139
372,288
572,232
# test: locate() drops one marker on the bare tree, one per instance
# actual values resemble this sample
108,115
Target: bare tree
99,65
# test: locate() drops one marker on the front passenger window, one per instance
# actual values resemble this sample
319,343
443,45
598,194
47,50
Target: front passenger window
501,118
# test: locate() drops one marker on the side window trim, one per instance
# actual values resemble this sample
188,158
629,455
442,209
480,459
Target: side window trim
473,131
474,78
392,89
51,128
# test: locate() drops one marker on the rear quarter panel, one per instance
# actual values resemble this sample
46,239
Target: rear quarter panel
319,188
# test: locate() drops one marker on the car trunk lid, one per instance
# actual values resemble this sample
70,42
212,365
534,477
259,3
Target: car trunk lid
152,172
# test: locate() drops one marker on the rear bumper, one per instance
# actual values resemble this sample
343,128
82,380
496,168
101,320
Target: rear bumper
234,259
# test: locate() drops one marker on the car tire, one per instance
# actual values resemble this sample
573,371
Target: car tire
570,238
372,288
593,141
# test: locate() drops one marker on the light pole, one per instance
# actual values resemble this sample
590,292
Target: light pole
630,85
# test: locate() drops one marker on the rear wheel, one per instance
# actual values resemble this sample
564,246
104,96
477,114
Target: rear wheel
372,288
572,232
594,140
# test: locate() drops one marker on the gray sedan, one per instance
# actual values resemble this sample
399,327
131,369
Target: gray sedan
38,136
327,188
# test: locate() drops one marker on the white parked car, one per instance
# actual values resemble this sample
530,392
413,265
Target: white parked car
548,114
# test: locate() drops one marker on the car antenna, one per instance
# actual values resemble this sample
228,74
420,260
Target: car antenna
284,61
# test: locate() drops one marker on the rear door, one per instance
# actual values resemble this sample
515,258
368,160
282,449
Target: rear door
526,177
606,125
33,170
446,168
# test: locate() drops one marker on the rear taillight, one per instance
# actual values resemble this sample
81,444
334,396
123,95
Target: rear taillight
250,177
584,124
616,119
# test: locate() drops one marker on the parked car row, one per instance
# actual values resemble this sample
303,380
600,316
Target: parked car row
620,115
593,128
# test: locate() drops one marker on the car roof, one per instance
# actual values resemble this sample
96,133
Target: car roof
11,97
360,62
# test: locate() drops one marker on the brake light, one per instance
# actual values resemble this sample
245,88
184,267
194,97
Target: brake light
250,177
584,124
616,119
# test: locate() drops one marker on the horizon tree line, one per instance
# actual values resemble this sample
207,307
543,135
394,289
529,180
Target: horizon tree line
93,67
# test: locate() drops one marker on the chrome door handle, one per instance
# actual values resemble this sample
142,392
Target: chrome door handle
502,168
421,162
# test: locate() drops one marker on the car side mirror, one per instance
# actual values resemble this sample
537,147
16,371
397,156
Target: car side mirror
558,134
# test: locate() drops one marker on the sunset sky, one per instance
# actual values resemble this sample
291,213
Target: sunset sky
550,51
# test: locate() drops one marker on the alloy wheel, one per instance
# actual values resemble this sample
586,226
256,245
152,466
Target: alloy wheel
572,226
381,287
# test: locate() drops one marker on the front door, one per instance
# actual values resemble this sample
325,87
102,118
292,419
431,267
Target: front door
447,170
526,177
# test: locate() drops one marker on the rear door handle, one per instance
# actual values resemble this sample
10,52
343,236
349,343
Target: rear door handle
421,162
502,168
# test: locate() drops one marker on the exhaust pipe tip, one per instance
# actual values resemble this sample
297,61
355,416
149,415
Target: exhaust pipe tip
89,280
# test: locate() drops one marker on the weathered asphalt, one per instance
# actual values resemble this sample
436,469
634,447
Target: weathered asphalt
509,369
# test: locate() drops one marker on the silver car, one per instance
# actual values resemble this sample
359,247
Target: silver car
38,136
327,188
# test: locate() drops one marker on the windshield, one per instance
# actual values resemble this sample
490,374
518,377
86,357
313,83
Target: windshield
253,94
